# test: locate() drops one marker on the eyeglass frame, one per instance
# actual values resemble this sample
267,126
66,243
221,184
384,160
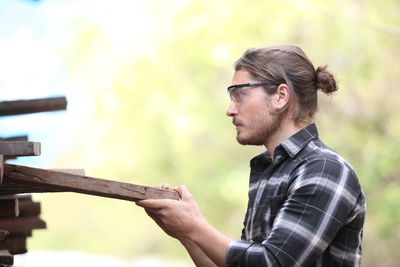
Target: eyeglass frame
242,85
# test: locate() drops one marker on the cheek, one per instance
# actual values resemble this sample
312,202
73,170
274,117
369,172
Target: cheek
257,111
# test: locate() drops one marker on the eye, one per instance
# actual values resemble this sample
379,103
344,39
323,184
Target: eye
233,93
238,93
242,91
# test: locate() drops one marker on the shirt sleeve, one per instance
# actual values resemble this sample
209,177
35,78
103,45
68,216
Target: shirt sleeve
321,195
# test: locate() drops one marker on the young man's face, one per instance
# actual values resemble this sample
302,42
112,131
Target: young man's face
251,111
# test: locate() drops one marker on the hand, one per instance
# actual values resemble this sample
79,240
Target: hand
182,220
177,218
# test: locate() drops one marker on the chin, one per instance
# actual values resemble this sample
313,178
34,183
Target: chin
249,141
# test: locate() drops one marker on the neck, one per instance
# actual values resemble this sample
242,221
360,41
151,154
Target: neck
286,130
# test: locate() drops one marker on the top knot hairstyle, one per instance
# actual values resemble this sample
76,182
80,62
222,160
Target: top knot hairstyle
286,64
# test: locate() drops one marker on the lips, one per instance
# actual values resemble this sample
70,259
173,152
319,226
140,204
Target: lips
236,123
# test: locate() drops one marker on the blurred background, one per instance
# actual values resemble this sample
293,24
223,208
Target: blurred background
145,83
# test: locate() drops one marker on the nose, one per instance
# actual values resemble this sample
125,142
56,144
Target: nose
232,110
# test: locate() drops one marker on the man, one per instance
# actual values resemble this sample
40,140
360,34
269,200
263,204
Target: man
306,206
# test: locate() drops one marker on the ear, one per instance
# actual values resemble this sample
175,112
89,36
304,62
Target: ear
281,97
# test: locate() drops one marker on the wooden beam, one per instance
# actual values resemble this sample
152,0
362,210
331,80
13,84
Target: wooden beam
20,148
29,208
15,244
71,171
3,234
14,196
22,224
9,208
6,258
15,138
19,179
32,106
1,167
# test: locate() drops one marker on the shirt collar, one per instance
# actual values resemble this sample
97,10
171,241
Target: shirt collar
299,140
260,161
292,146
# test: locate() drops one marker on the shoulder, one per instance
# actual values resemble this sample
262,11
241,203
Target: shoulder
317,156
320,167
316,149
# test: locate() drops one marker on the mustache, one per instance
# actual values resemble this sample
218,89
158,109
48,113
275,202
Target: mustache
236,121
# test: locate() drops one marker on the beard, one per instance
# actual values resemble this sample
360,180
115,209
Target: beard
258,131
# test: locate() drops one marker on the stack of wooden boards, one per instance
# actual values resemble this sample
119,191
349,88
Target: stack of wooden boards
19,215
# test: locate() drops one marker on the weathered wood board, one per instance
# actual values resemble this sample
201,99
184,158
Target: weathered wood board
6,258
19,148
22,179
9,208
17,107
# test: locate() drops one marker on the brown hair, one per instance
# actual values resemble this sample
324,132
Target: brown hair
286,64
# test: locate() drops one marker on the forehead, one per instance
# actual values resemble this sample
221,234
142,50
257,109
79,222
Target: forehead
242,76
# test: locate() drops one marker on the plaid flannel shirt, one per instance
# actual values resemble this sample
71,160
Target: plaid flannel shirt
306,208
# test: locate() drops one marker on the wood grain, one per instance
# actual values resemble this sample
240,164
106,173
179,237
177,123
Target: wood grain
22,224
19,148
6,258
3,234
15,244
22,179
17,107
15,138
1,167
71,171
29,208
9,208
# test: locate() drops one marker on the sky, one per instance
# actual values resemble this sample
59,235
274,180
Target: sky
34,37
30,68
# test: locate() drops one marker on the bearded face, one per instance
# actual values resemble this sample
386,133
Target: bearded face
256,129
251,111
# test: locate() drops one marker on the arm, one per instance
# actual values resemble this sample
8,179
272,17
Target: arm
183,221
320,197
196,253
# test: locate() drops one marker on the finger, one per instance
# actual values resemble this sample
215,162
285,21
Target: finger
153,203
184,192
166,186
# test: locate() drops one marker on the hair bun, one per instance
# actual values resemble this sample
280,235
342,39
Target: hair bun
324,80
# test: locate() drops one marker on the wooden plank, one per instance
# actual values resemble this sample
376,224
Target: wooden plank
71,171
6,258
22,178
15,138
20,148
14,196
15,244
28,208
9,208
18,189
1,167
22,224
32,106
3,234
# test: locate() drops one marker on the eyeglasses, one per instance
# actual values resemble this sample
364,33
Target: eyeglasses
237,92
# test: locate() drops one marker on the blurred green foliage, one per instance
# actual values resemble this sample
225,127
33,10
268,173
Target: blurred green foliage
161,116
